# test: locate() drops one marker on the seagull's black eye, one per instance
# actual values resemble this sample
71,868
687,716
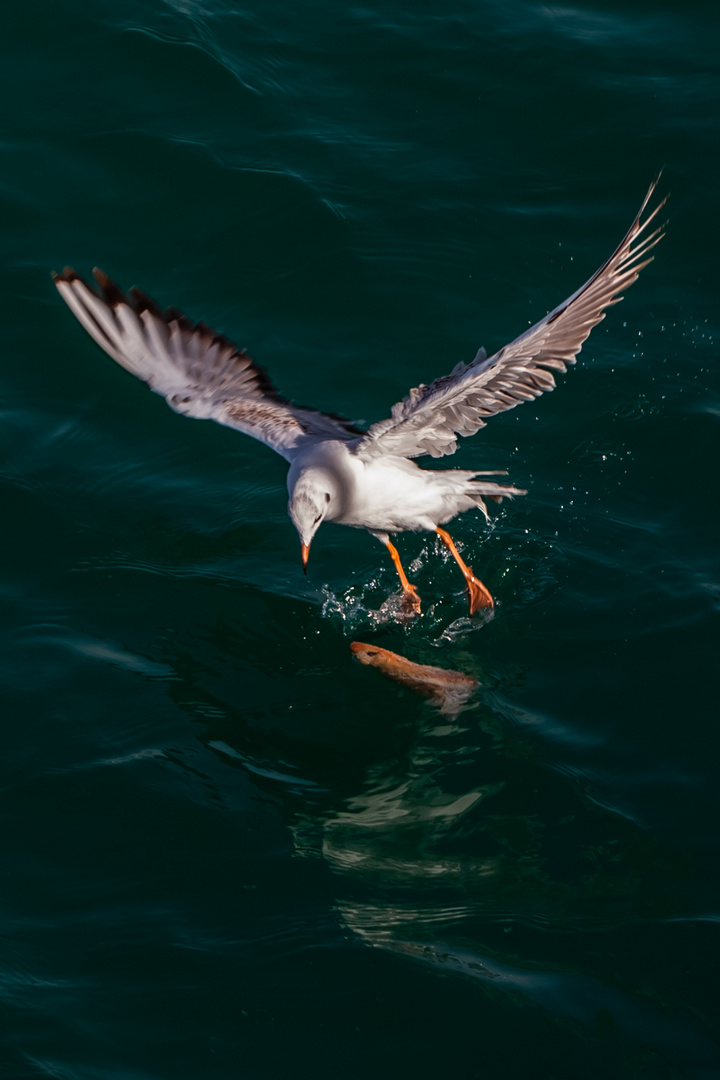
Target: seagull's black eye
327,497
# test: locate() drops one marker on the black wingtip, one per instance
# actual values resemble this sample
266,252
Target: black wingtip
109,291
173,314
142,302
66,274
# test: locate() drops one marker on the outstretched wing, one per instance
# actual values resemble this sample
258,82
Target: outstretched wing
431,417
198,372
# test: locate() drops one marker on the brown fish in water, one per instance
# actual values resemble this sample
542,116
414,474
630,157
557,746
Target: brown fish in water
449,690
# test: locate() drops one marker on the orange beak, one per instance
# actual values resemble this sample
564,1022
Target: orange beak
305,549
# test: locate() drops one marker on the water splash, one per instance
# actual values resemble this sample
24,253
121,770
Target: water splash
354,610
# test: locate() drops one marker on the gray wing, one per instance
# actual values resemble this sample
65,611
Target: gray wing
431,417
199,373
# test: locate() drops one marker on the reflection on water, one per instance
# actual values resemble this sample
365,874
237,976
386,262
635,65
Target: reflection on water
454,846
517,844
447,874
444,879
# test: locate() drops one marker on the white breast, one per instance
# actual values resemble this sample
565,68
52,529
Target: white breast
390,495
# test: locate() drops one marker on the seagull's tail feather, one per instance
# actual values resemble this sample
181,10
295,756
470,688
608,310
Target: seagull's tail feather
490,489
478,492
470,491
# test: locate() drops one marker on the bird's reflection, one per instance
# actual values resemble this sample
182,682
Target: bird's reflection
451,842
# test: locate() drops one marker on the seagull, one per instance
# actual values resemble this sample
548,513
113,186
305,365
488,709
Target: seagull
339,473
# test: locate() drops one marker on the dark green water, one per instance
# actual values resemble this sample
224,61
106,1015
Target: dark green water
228,849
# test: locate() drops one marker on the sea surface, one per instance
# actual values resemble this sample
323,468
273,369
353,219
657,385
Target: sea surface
227,848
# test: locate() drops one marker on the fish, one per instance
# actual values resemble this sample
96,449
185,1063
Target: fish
448,690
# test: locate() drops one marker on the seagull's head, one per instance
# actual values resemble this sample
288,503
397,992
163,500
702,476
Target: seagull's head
308,506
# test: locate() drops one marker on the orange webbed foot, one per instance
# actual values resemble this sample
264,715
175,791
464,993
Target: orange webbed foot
410,601
478,595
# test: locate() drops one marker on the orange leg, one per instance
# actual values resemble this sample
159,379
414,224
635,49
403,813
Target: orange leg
478,595
410,593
